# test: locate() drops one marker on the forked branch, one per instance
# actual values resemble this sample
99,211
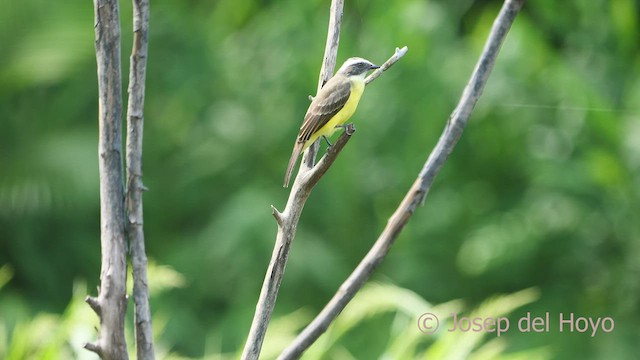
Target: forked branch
288,219
308,176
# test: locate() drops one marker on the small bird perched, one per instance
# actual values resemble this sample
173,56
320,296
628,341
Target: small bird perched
332,107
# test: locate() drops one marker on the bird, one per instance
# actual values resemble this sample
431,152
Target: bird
334,104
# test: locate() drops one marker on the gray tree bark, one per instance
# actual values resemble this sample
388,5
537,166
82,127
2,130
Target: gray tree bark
111,303
135,232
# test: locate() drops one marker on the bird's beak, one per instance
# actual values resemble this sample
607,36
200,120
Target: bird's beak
373,67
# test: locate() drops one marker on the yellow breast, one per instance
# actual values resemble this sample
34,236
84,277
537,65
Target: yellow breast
357,88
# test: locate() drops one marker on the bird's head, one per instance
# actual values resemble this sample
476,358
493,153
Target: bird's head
356,66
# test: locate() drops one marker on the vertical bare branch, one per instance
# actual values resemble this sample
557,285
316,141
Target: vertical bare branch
111,303
288,220
418,191
326,71
135,231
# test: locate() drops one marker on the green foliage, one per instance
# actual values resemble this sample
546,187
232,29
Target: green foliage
393,312
542,190
62,336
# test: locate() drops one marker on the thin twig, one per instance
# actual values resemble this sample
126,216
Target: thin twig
387,64
311,178
94,304
135,231
418,191
112,300
93,347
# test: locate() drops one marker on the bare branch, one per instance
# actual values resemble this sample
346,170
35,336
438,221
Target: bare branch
135,231
418,191
112,295
289,217
326,71
333,40
306,178
313,176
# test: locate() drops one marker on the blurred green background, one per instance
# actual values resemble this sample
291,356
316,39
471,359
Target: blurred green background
542,192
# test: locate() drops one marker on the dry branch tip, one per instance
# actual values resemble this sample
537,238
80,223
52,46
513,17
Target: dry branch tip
94,348
399,53
94,304
277,215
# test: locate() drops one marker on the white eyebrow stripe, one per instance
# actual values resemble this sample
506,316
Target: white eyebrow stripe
354,60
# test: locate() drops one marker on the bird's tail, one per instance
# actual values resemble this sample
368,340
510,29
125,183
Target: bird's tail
297,149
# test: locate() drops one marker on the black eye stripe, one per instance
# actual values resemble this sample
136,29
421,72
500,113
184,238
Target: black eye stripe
361,65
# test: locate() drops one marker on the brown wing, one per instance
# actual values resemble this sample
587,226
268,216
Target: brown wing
326,104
